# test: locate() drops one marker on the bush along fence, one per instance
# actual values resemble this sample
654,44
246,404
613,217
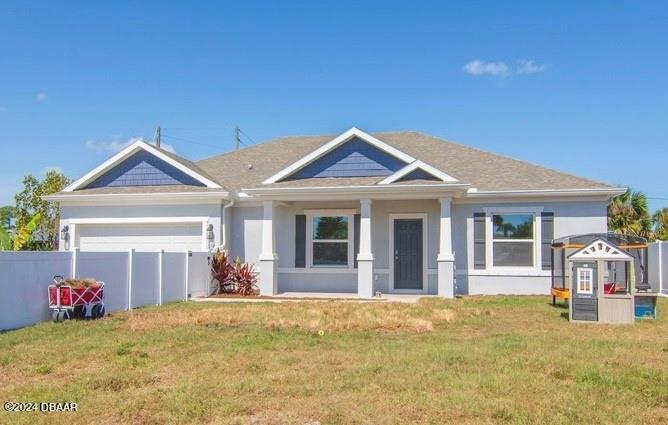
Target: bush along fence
132,279
657,254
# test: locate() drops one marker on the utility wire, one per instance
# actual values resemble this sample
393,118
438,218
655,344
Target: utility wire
249,138
181,139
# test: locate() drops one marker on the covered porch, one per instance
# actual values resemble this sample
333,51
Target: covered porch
368,247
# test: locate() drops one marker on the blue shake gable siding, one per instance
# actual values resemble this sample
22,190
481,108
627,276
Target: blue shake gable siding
417,174
354,158
143,169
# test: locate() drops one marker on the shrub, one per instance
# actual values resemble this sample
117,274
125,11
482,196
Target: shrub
245,279
222,272
233,277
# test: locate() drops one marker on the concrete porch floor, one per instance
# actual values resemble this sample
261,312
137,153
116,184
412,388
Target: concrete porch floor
317,297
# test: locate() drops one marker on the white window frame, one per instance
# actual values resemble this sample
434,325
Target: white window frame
590,272
489,236
350,214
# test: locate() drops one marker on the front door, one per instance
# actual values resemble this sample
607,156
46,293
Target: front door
585,300
408,254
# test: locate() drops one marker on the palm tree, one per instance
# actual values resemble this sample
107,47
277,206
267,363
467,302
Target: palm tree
660,219
628,214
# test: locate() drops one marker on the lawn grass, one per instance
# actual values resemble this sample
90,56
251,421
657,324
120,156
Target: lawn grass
472,360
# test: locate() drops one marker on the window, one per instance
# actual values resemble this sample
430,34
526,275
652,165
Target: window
330,240
585,281
513,240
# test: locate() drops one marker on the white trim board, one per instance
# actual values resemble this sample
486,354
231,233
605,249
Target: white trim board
425,247
417,164
339,140
130,150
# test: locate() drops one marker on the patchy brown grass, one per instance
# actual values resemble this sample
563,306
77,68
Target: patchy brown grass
475,360
311,317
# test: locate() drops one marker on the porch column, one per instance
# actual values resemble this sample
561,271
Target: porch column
268,258
365,256
445,259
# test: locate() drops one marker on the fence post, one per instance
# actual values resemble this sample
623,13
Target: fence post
185,278
75,255
161,255
660,265
130,255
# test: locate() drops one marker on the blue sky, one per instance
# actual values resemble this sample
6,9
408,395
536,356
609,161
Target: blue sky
579,87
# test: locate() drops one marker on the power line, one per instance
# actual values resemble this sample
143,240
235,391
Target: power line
181,139
249,138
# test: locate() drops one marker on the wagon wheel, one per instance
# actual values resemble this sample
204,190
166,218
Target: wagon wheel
100,311
54,316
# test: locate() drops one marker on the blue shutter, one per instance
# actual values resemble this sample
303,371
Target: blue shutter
300,241
356,236
479,241
546,234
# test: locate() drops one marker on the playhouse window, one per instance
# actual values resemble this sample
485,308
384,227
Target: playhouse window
330,240
513,240
585,281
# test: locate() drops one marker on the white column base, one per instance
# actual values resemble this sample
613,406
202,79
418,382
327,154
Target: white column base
268,275
365,278
446,276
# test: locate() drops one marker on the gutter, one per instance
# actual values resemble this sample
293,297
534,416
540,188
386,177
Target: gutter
606,191
74,196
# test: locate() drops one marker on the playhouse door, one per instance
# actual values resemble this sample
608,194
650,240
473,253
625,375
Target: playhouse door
584,290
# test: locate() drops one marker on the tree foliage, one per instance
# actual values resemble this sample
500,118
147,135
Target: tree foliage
660,219
29,204
628,214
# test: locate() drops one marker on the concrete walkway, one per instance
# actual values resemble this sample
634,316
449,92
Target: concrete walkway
316,297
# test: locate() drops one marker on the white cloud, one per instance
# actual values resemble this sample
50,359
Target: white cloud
116,145
478,67
52,168
529,67
41,97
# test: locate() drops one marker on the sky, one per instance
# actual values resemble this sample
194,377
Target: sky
577,86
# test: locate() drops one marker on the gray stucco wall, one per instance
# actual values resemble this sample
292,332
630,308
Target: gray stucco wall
246,232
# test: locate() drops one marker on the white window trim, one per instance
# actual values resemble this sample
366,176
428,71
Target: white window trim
425,246
350,214
537,237
591,280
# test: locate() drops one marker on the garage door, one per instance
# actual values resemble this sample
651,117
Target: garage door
141,237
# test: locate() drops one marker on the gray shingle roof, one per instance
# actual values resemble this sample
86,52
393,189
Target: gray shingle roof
482,170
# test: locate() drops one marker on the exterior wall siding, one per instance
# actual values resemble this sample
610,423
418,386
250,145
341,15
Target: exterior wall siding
143,169
354,158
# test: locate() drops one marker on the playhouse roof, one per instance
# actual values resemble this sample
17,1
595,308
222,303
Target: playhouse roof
617,239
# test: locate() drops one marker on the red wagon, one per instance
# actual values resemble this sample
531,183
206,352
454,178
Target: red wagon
69,301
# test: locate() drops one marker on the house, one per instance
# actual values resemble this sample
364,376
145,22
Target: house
399,212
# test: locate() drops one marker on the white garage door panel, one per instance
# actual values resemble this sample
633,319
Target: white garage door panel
141,237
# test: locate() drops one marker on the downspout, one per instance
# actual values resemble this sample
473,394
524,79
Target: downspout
223,244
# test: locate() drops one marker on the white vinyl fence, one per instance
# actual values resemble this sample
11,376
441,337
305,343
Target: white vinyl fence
657,254
132,279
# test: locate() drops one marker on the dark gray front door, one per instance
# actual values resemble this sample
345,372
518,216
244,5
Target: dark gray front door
585,300
408,253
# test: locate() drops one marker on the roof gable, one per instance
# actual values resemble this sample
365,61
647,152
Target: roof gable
418,170
160,169
354,158
353,133
600,250
143,169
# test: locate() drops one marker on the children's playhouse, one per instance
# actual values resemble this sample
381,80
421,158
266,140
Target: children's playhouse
603,277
